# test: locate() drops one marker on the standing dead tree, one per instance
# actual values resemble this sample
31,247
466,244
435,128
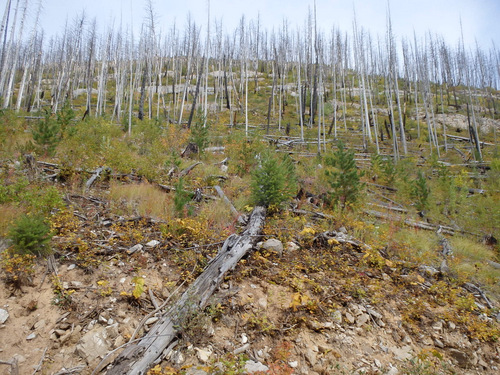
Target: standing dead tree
137,358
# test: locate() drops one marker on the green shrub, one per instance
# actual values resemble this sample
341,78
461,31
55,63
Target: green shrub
344,178
273,181
31,235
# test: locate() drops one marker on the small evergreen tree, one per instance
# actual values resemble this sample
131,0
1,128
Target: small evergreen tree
31,235
345,179
46,134
199,135
420,192
273,181
181,199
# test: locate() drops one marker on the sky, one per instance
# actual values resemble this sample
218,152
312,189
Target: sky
480,18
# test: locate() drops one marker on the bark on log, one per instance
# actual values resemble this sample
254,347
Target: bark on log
94,177
219,191
137,358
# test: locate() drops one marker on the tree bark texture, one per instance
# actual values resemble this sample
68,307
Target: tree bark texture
138,357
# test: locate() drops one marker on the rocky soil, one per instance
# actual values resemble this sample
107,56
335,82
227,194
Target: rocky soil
276,301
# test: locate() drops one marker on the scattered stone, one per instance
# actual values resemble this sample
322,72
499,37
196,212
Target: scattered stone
311,356
251,367
262,302
39,325
438,343
362,319
135,249
293,364
71,266
337,316
195,371
20,358
31,336
203,354
462,359
393,371
438,326
177,357
76,284
429,271
402,354
93,345
4,315
152,320
373,313
378,364
244,338
350,319
241,349
273,245
292,246
153,243
452,326
386,277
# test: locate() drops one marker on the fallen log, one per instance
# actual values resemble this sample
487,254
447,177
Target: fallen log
94,177
226,200
416,224
138,357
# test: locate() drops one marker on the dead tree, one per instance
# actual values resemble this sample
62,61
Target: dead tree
138,357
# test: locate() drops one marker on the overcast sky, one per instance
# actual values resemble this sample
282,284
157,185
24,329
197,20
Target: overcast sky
480,18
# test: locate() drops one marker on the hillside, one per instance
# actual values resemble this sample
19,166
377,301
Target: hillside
367,289
130,168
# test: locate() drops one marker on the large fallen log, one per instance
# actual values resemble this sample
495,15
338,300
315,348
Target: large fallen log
138,357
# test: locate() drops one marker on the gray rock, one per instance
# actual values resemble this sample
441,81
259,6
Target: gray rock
94,345
273,245
4,315
195,371
438,326
203,354
402,354
31,336
438,343
373,313
362,319
241,349
153,243
152,320
337,316
292,246
311,356
135,248
462,359
349,318
251,367
177,357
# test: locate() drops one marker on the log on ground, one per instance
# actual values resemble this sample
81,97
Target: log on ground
138,357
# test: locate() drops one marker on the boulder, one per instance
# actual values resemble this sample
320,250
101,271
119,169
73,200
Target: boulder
251,367
273,245
94,345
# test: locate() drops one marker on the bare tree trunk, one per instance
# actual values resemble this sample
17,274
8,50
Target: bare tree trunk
138,357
